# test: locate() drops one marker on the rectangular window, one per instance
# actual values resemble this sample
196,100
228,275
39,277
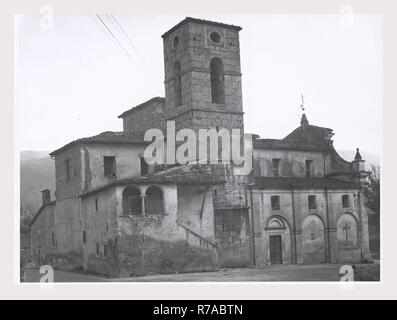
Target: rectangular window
53,239
96,204
67,169
105,250
97,249
276,167
275,201
312,202
309,165
84,236
345,201
109,166
144,167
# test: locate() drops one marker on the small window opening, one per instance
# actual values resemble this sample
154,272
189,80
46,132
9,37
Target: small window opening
309,165
276,167
109,166
275,202
215,36
345,201
312,202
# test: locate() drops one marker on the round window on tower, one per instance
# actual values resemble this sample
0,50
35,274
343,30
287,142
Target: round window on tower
175,41
215,37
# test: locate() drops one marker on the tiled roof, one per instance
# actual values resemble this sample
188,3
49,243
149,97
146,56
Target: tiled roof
310,134
302,183
142,105
201,21
200,174
51,203
105,137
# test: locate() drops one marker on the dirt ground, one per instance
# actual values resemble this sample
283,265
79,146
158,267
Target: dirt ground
321,272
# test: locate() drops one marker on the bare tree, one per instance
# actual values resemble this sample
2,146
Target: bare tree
372,196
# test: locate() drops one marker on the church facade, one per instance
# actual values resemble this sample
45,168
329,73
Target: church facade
115,214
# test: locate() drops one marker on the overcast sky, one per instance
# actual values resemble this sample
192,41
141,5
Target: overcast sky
73,80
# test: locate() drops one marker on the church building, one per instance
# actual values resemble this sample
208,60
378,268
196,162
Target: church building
115,214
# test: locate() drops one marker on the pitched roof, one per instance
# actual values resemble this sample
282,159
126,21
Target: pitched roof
201,21
314,135
302,183
189,174
142,105
39,212
119,137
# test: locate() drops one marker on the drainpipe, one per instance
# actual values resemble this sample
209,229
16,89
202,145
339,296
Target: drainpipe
252,229
295,260
328,227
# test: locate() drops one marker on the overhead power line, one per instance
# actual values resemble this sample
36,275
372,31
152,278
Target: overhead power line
116,22
113,37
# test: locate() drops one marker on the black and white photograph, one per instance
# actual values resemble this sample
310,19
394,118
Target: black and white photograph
198,147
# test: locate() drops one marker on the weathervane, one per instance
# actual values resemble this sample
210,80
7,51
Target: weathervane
303,103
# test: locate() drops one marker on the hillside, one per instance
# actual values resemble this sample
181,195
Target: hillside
37,172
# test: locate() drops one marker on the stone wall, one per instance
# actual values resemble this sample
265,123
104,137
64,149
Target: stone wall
127,158
43,235
310,235
153,243
99,221
148,116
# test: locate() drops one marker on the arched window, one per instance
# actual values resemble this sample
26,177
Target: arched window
217,81
177,84
132,203
154,200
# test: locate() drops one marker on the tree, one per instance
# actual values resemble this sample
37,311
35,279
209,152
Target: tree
27,211
372,196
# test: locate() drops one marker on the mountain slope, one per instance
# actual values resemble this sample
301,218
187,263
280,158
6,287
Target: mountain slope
37,172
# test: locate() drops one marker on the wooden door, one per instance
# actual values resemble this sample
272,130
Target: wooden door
276,254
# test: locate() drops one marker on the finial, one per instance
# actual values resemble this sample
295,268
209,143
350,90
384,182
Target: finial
358,155
302,105
304,121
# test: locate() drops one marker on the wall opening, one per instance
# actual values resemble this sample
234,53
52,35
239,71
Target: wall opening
276,167
109,166
154,200
275,202
144,167
345,201
312,203
309,168
217,81
132,203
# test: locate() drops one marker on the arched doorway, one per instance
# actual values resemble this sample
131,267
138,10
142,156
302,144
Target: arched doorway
278,238
132,203
154,200
313,240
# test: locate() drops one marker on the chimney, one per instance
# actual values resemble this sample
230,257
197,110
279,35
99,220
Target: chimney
46,196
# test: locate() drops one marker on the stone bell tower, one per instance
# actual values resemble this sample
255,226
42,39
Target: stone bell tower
203,75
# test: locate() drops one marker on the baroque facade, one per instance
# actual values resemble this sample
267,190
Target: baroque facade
116,215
